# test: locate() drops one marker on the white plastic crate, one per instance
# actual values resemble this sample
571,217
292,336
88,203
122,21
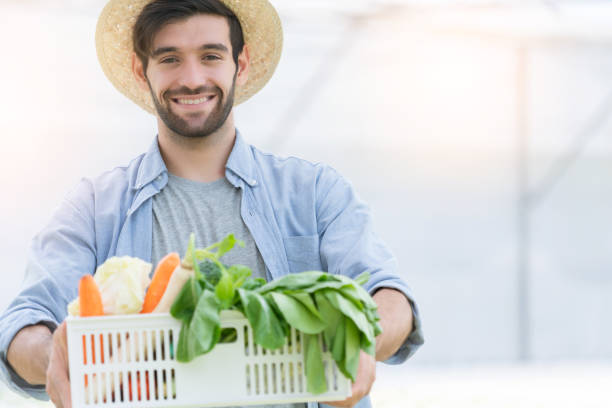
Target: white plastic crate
121,361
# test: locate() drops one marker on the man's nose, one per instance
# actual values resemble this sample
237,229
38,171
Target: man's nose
193,74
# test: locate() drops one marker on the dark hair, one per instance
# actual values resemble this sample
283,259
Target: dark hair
160,13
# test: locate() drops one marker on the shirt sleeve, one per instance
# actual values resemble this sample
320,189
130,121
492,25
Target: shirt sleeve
59,255
349,246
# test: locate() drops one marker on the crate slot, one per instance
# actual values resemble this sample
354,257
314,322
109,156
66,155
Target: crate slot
116,387
149,345
155,340
103,391
228,335
139,386
265,378
86,391
115,347
291,378
135,341
164,338
166,344
298,342
127,347
283,377
300,377
275,378
247,341
257,383
173,374
156,386
171,344
108,348
112,390
144,346
139,346
248,379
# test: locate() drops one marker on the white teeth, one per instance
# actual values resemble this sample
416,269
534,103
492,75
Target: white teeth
194,101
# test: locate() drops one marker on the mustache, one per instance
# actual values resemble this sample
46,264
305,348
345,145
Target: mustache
187,91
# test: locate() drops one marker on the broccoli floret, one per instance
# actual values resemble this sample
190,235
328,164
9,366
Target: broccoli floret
210,271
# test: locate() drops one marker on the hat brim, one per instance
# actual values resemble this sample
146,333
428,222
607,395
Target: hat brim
261,28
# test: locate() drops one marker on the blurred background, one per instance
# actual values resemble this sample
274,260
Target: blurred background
478,132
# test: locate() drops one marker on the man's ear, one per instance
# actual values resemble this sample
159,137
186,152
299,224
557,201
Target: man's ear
244,62
138,71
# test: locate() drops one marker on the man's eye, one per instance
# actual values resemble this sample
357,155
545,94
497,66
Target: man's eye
211,57
168,60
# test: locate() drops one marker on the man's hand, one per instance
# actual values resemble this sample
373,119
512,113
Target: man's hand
58,380
366,374
396,321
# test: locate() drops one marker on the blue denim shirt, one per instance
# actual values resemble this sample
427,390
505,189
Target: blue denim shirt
302,216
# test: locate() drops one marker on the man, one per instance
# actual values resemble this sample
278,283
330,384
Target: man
189,62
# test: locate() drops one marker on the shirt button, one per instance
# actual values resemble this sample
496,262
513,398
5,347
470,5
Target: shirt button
254,182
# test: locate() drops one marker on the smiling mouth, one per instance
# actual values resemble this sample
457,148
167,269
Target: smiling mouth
192,101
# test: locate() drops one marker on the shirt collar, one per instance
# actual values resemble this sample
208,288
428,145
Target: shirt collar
151,167
240,164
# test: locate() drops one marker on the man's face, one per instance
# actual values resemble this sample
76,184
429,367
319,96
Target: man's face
192,75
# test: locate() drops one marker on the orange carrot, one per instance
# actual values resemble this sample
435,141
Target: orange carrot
90,304
160,280
90,300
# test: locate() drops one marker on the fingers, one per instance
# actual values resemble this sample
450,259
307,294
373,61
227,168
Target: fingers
366,375
58,379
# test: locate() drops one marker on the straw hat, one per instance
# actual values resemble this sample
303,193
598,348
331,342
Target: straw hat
261,28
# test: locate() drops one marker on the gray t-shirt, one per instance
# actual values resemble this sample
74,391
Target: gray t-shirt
211,211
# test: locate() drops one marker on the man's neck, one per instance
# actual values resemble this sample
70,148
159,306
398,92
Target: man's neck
198,159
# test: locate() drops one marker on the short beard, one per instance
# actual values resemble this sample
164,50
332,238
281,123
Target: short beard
216,119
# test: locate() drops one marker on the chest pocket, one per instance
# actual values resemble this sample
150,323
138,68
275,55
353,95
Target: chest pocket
303,253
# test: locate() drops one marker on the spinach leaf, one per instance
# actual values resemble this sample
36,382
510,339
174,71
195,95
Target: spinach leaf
185,350
253,283
206,325
306,300
294,281
266,325
298,315
362,278
359,292
202,332
239,274
368,347
227,244
225,290
332,317
351,311
313,364
185,303
339,341
351,349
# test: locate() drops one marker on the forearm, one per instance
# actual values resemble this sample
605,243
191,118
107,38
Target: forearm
396,321
28,353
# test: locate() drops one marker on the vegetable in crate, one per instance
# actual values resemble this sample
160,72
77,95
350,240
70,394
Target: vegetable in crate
122,282
315,303
159,283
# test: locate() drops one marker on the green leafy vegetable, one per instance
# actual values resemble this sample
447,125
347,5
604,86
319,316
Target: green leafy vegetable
314,365
298,315
335,308
267,328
